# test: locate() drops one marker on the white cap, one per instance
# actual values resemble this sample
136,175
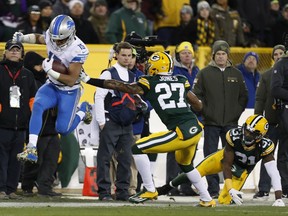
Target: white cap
73,2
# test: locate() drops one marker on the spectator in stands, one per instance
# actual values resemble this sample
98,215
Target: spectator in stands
183,65
166,22
46,13
99,19
17,96
183,32
32,21
258,19
153,11
274,16
251,75
125,20
61,7
10,17
228,25
275,12
203,26
264,106
84,28
221,88
42,173
280,27
249,36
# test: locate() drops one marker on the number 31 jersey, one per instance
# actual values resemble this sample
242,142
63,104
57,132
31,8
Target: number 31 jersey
247,157
167,95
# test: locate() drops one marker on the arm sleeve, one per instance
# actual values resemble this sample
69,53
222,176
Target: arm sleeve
273,172
99,100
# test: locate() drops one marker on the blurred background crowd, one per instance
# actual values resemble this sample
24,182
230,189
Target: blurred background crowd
242,23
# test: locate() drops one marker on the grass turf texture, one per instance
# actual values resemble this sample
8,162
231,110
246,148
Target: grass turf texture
144,210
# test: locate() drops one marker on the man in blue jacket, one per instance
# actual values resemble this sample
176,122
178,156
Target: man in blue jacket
251,75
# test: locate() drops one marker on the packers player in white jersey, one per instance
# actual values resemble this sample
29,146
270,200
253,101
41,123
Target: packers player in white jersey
169,96
246,146
62,91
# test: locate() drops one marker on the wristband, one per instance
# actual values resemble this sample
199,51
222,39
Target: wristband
29,38
53,74
96,82
228,183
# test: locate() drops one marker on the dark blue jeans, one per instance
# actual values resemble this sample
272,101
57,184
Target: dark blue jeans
211,139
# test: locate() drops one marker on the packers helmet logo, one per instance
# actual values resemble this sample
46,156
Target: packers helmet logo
155,58
193,130
266,126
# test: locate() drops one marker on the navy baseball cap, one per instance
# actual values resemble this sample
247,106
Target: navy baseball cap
10,44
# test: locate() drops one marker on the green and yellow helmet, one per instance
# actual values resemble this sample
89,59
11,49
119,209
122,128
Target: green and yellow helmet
254,129
159,63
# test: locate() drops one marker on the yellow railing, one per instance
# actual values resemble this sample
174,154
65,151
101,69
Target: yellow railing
98,59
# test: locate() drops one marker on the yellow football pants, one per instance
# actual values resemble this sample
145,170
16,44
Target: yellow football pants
212,164
169,141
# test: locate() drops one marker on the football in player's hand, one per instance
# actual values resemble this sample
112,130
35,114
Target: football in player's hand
59,67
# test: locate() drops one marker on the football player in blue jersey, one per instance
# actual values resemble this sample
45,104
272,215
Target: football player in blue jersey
246,146
170,97
61,90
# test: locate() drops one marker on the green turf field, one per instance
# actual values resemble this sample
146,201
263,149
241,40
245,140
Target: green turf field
145,210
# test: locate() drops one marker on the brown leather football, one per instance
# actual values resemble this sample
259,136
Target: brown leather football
59,67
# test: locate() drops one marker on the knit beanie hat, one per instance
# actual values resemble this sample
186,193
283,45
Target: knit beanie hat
44,3
279,46
74,2
201,5
251,54
220,45
31,59
186,8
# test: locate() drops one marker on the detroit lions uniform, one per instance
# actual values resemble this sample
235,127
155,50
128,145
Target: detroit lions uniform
169,93
77,52
245,159
56,94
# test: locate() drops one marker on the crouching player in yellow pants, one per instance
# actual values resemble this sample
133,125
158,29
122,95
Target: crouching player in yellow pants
246,145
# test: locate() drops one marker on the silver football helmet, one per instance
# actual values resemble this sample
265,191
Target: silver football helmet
62,32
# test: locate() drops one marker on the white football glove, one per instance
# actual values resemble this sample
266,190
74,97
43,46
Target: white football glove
47,64
236,196
17,37
83,76
141,104
279,203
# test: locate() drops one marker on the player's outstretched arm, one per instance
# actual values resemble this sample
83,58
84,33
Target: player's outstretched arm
131,88
28,38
